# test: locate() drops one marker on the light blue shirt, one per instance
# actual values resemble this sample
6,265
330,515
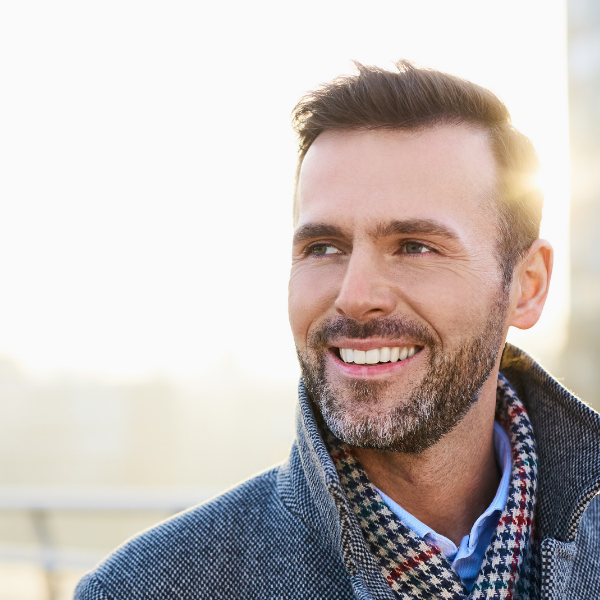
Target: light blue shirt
467,558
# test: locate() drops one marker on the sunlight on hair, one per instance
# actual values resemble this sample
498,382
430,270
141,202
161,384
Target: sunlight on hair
547,338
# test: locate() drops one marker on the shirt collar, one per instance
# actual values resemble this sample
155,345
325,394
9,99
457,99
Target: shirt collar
448,548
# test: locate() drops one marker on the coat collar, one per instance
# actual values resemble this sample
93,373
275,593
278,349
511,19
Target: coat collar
567,434
328,510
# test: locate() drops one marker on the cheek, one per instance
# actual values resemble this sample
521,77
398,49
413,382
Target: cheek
452,300
311,295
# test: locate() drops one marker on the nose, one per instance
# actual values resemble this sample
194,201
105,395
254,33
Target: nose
365,294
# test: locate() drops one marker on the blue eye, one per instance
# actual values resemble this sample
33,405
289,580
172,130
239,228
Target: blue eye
415,248
322,249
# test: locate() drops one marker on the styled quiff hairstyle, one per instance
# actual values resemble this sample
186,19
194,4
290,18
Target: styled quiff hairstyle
415,98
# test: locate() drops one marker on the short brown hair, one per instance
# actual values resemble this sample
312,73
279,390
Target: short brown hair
415,98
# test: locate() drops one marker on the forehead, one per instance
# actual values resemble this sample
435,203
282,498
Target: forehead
446,173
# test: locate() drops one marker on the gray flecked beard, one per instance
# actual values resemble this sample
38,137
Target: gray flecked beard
437,403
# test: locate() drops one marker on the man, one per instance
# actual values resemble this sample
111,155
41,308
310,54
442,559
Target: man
431,461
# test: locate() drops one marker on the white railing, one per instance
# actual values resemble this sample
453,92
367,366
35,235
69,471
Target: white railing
40,501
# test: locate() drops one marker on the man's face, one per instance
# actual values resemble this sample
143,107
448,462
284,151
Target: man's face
395,298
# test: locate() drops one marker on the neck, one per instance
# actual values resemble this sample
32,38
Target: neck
449,485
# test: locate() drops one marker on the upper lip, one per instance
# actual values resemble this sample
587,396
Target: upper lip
372,343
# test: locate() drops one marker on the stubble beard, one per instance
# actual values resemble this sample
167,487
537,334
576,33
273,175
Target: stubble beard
366,414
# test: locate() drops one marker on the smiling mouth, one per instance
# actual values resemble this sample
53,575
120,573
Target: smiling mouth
377,355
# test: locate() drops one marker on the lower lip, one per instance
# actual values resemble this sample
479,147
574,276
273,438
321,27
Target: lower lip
366,371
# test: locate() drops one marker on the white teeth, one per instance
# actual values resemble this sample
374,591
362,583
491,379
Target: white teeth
372,356
377,355
360,357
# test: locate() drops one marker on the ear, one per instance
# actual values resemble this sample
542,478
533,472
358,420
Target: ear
530,284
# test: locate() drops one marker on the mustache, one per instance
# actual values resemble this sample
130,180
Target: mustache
385,327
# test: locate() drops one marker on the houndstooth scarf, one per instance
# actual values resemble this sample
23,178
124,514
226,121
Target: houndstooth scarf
417,569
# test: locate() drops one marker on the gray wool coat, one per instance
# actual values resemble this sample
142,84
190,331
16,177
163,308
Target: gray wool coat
280,535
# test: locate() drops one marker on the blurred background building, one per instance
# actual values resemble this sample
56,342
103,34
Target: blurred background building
582,354
147,157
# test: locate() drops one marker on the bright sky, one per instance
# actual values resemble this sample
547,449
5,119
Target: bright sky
147,161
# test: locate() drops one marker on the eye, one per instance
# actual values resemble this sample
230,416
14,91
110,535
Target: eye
322,250
415,248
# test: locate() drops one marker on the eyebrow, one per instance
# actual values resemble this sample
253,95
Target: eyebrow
310,231
413,226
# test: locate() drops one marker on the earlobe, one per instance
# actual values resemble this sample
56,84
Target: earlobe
532,281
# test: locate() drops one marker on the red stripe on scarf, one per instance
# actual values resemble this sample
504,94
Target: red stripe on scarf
520,521
341,454
411,563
